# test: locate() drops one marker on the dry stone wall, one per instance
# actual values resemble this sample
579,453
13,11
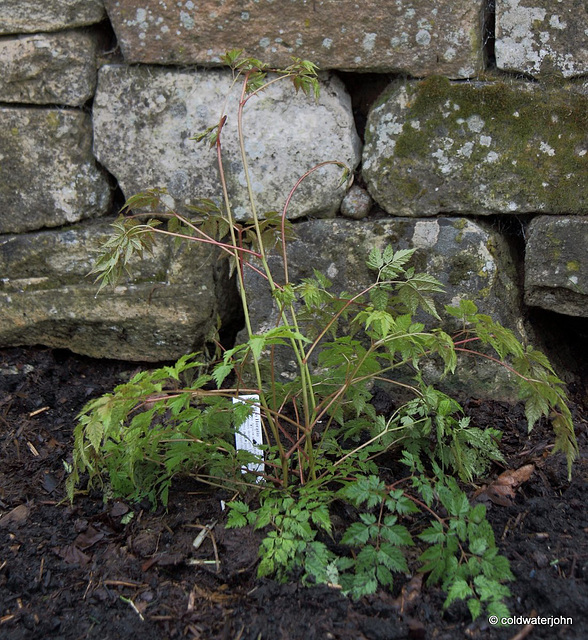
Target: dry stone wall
160,313
481,132
472,260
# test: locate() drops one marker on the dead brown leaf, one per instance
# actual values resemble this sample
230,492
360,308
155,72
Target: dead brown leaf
118,509
502,490
72,555
88,538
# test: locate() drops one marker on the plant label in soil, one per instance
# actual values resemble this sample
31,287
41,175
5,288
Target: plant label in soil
249,434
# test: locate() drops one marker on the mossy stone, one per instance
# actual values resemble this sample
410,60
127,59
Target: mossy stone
438,146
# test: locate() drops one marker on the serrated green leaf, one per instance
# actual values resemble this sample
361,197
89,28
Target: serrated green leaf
397,534
478,546
257,343
359,585
475,608
384,576
375,259
434,533
498,609
478,513
459,590
231,57
392,557
370,490
490,589
321,518
356,535
94,432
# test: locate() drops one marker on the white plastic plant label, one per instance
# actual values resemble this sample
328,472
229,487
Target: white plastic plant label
249,435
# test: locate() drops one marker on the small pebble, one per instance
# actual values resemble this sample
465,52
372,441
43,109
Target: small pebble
356,203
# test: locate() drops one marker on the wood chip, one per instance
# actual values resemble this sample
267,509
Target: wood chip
38,411
17,516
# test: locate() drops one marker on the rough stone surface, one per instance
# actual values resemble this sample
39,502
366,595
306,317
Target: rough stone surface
356,204
48,176
144,118
418,37
471,260
30,16
165,309
542,37
556,269
478,148
48,68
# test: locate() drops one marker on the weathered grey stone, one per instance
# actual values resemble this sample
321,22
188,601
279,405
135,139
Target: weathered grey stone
478,148
419,37
144,118
48,176
542,37
356,203
56,68
30,16
471,260
163,310
556,265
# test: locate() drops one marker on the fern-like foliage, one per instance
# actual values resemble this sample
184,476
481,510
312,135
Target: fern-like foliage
462,555
541,390
136,439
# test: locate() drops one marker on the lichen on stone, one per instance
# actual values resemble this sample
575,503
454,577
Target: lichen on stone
491,147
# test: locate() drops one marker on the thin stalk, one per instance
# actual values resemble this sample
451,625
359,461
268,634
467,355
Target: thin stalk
287,205
341,311
297,347
500,362
226,247
243,294
309,400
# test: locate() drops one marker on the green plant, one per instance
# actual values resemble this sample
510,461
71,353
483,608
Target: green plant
462,555
322,434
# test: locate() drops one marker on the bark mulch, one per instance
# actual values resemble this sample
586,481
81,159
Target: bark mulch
116,571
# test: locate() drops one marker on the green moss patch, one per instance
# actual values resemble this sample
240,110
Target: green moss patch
509,146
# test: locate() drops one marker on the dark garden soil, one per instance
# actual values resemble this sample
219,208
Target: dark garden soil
92,571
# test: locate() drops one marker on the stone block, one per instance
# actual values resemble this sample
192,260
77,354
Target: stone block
543,38
31,16
165,308
418,37
556,268
478,148
145,117
48,68
471,260
48,175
